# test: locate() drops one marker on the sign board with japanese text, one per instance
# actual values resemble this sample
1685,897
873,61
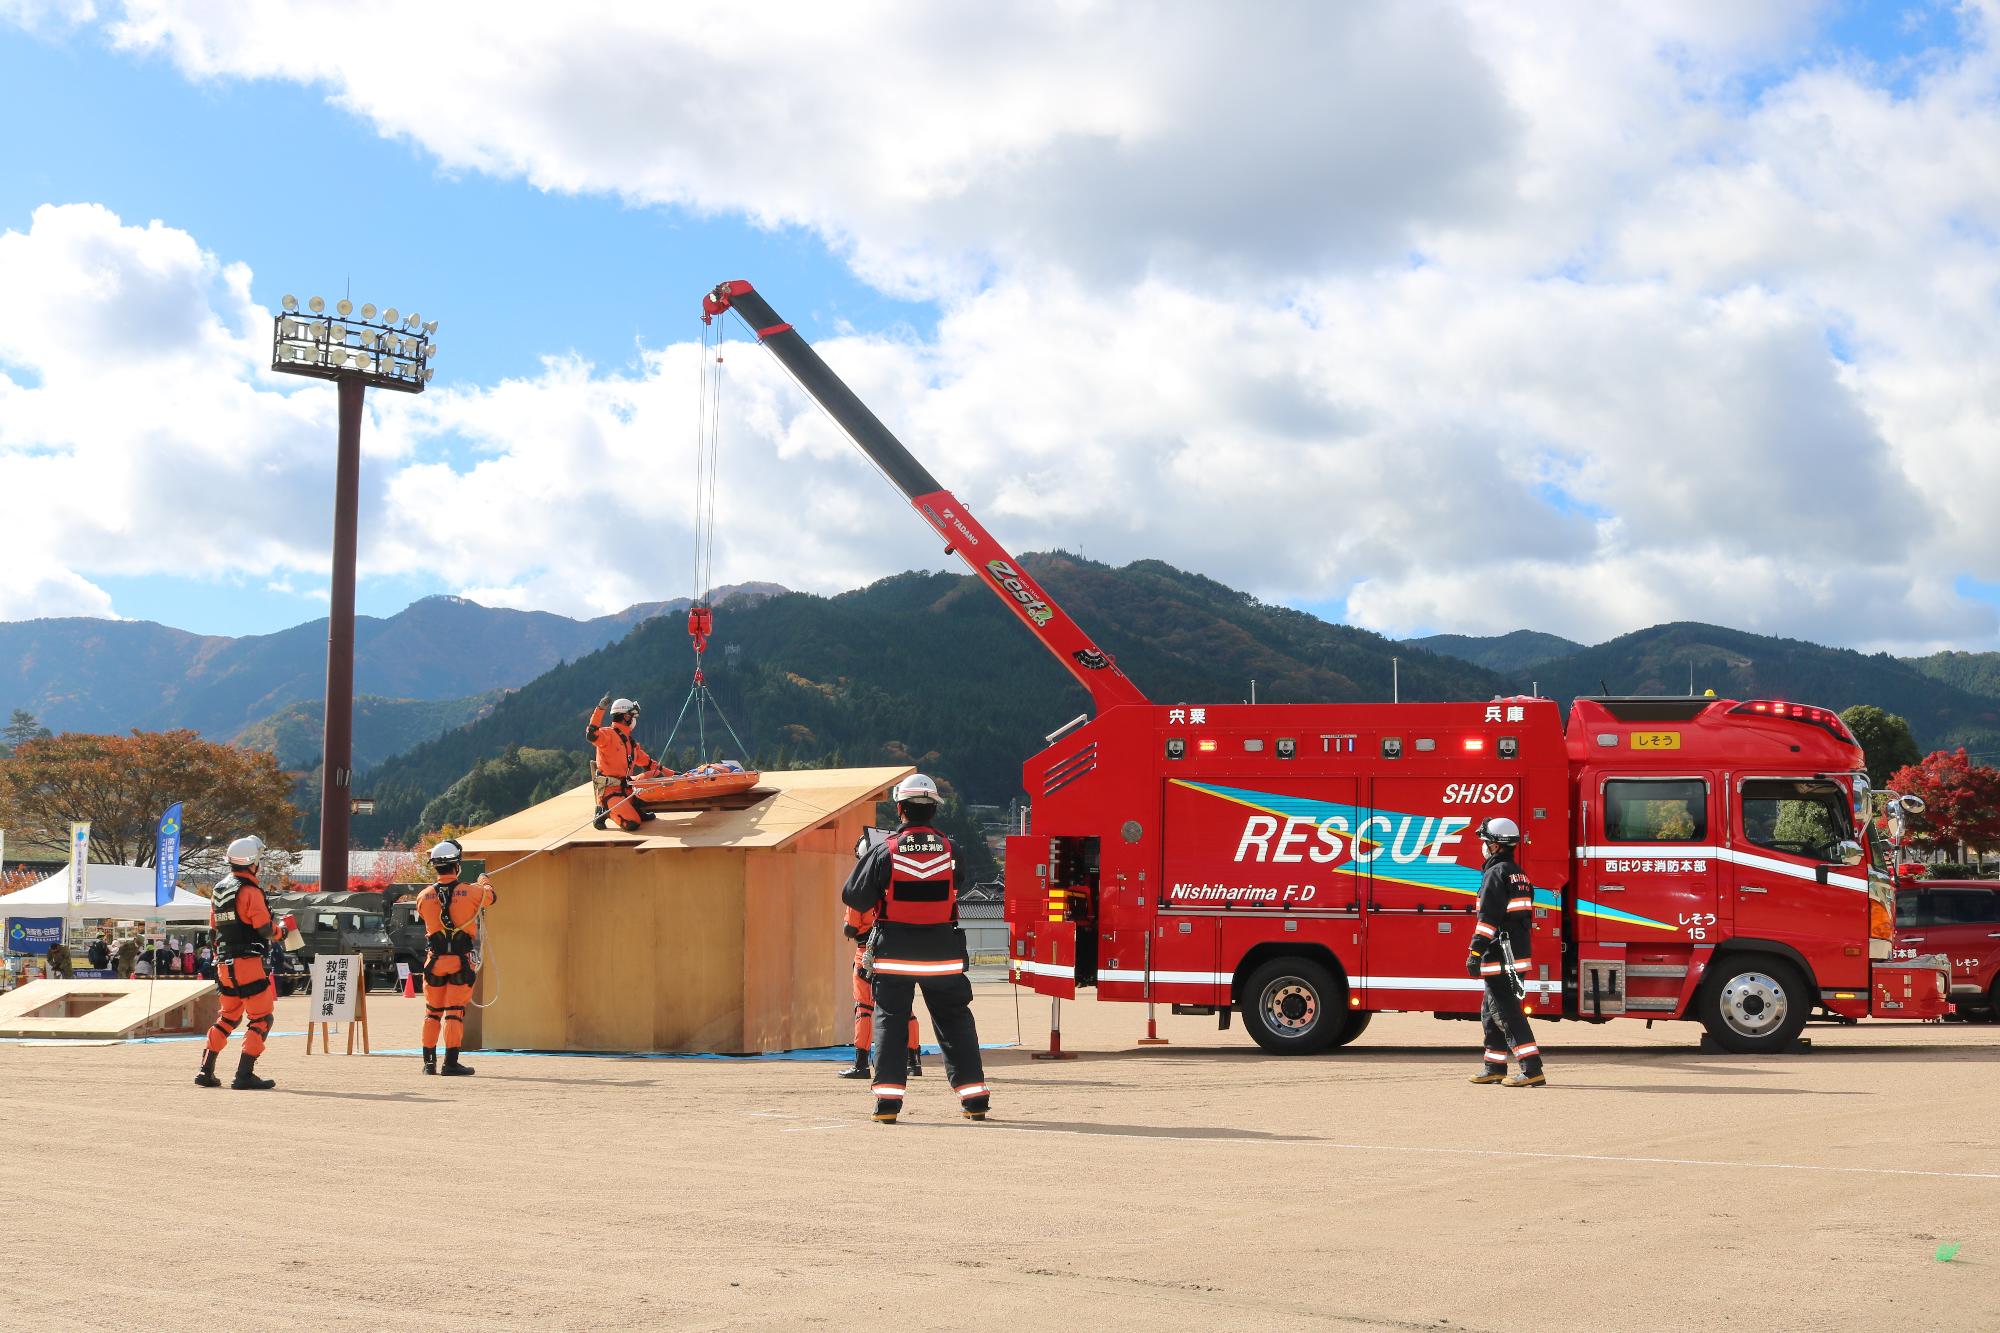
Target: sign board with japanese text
336,981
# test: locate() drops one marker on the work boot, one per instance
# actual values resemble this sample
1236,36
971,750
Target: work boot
452,1068
1526,1080
1489,1076
974,1109
598,816
860,1069
246,1075
886,1111
206,1077
430,1060
916,1062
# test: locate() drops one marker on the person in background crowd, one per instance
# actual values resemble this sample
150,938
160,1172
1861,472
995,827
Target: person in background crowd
187,958
205,961
59,963
143,965
128,957
100,953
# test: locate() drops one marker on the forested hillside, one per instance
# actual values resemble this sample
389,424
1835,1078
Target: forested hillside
921,668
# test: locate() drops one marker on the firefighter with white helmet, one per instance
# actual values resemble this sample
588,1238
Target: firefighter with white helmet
910,881
1500,946
450,913
243,926
616,758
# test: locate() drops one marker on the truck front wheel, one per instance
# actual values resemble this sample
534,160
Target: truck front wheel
1294,1006
1754,1005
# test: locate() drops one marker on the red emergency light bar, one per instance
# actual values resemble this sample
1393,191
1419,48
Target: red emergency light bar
1824,718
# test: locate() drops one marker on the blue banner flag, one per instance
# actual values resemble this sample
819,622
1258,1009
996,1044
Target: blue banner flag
33,934
167,856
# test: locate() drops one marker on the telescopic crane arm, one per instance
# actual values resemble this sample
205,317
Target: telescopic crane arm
962,533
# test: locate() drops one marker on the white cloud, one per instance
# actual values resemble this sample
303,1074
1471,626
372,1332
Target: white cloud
1477,317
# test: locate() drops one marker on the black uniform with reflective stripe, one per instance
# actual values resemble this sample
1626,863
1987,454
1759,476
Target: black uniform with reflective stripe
1506,903
234,938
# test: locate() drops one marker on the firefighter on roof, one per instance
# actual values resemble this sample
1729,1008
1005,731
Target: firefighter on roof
616,759
450,913
243,924
1499,957
911,880
859,926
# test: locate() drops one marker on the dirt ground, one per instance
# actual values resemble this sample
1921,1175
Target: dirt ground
1193,1185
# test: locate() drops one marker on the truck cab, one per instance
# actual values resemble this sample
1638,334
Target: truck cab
341,923
1720,874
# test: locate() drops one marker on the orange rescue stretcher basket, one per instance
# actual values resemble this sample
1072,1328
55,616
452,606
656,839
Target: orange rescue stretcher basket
705,782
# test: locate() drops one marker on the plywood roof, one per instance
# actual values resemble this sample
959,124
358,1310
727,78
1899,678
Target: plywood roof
799,801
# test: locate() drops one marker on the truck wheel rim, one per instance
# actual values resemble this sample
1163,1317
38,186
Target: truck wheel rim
1753,1004
1290,1006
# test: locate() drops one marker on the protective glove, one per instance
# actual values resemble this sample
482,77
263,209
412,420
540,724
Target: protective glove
605,702
850,932
1472,962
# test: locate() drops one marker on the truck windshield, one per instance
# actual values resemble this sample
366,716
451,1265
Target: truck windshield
1799,816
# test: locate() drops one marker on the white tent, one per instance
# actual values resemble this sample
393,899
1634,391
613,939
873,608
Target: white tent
121,892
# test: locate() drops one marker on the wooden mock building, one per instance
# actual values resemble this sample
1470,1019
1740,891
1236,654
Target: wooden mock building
715,929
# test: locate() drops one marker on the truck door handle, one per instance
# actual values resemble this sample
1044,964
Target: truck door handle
1751,888
1993,935
1919,939
1611,888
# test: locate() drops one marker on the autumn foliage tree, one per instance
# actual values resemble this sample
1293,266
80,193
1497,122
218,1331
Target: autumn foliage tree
1961,801
122,785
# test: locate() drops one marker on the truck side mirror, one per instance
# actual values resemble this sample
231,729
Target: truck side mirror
1850,852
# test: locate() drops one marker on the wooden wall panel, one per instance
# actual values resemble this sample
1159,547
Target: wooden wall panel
698,1003
730,950
526,971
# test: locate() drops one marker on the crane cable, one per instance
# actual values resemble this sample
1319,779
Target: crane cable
707,472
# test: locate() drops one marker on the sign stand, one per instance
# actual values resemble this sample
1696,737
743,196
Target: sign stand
358,1024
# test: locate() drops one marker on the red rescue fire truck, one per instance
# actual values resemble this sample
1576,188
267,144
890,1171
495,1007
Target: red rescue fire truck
1310,865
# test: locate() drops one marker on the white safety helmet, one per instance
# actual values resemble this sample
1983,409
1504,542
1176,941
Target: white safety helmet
447,853
1500,831
246,851
622,706
916,787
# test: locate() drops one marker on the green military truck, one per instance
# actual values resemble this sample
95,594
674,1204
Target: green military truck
345,923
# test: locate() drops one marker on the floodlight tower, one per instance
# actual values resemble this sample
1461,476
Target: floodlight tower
389,351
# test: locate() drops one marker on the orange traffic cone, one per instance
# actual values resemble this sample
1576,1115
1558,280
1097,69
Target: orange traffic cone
410,984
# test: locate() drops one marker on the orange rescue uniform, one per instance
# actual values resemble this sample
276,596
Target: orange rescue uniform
242,921
450,913
618,758
858,926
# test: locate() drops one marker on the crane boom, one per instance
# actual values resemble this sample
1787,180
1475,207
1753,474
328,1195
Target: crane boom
963,534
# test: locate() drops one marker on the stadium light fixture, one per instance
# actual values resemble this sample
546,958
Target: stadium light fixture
355,350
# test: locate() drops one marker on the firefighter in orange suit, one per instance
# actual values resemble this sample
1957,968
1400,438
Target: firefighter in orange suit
1500,945
858,927
450,913
616,759
243,925
911,880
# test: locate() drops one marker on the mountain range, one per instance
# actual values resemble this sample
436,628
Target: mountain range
921,667
79,674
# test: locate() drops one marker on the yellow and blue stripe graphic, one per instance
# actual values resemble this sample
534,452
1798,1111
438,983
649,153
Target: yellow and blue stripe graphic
1444,876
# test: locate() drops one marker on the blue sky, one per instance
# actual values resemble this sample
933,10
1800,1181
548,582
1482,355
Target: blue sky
1028,289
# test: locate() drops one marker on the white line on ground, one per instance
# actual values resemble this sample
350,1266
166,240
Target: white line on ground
1293,1142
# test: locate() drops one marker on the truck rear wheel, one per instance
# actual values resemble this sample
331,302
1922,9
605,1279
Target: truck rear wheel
1753,1004
1294,1006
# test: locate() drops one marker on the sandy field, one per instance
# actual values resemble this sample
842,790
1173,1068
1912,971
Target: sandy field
1194,1185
